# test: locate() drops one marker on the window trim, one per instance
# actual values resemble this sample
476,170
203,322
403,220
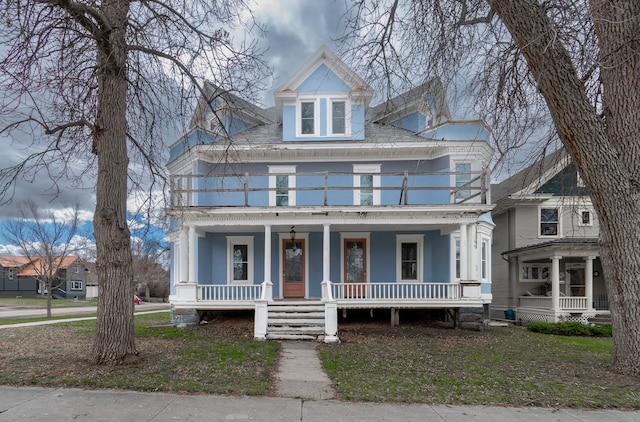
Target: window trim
240,240
581,221
485,261
280,171
558,222
316,117
347,116
363,170
73,282
410,238
456,270
454,182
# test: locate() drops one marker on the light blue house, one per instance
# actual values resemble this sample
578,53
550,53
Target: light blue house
324,203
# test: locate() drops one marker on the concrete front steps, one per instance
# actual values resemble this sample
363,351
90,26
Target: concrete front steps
295,320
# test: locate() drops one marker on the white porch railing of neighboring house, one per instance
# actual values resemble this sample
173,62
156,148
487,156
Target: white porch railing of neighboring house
405,188
392,292
570,303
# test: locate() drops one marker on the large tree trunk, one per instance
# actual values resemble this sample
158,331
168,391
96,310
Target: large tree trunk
115,340
604,149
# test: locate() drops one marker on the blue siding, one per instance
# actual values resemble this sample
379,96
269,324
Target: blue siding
323,80
314,251
289,123
323,117
195,138
382,254
441,258
414,122
473,131
485,288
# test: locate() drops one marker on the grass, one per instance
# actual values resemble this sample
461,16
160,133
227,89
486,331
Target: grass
412,363
502,366
199,360
38,319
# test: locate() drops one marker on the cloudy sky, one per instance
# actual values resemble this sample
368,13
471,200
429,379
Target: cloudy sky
295,30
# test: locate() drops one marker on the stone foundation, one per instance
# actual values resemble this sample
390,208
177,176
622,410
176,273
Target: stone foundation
184,317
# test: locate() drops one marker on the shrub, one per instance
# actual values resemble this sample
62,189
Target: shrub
570,329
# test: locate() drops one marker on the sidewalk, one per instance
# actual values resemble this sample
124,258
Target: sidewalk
39,404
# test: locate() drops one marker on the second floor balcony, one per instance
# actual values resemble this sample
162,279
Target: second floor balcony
329,189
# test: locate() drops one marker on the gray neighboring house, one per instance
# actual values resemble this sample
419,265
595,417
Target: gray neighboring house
20,277
546,264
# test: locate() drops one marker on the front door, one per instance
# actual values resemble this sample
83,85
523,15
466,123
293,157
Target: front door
575,273
355,266
293,268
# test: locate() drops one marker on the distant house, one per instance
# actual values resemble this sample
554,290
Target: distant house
546,264
21,276
324,203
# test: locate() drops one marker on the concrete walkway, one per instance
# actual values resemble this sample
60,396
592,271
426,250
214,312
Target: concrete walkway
300,373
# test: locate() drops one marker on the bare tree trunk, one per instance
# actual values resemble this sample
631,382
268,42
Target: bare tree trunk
115,340
47,286
604,149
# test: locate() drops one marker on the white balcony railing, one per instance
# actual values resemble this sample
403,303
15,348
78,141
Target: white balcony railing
329,188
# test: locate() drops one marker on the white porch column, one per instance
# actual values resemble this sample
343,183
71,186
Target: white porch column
588,281
267,253
192,254
326,252
326,262
555,283
183,247
464,270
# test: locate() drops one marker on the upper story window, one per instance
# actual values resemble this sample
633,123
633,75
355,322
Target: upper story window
585,218
463,177
282,182
366,180
338,117
10,272
308,117
549,221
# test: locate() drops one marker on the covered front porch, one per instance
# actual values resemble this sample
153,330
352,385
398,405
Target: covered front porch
379,258
557,281
335,297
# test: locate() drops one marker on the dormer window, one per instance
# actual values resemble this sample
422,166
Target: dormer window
338,117
307,117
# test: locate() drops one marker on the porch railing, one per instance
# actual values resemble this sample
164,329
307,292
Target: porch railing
395,291
229,292
569,303
330,188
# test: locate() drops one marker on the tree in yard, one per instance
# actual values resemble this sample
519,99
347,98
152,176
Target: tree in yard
576,61
100,82
50,244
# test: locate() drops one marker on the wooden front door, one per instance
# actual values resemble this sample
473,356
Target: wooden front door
355,266
293,270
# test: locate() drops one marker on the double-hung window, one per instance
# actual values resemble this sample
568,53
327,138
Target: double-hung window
549,221
409,258
338,117
240,259
366,181
463,177
76,285
307,117
282,183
